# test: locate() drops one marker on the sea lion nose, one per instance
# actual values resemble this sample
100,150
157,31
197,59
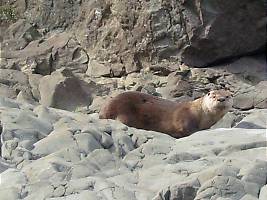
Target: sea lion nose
221,99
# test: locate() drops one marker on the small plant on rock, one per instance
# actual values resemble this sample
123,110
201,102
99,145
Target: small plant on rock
7,14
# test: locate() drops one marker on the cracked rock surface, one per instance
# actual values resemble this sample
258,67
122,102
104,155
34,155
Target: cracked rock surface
48,153
130,34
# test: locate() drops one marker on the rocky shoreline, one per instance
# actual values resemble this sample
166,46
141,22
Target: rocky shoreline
58,154
61,60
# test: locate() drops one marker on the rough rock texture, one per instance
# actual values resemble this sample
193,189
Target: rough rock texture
148,46
197,33
60,155
62,90
45,54
12,82
257,119
251,69
129,35
253,97
29,49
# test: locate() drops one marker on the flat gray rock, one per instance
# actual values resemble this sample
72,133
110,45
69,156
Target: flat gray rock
256,120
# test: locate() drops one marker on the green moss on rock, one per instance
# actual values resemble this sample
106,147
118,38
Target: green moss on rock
7,14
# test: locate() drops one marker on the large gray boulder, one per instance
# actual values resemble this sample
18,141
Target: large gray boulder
63,90
222,29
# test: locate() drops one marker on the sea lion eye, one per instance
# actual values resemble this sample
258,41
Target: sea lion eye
227,97
209,94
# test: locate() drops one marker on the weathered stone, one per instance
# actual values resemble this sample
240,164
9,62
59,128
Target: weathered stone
5,102
96,69
263,193
10,194
226,122
252,189
12,178
175,89
46,114
83,195
27,121
18,141
253,97
257,119
184,191
62,90
59,191
122,143
34,81
42,56
41,189
25,97
3,165
214,31
128,36
251,69
221,186
186,31
56,141
256,173
13,77
106,140
18,35
87,142
7,92
249,197
11,82
16,30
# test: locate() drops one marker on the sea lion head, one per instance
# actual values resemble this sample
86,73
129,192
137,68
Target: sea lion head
218,100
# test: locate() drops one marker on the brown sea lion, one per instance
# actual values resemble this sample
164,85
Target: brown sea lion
148,112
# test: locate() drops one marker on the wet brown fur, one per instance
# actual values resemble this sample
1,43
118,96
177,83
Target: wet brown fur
148,112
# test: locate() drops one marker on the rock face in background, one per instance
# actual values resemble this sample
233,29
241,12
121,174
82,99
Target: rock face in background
226,29
55,154
118,39
136,34
42,55
114,39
